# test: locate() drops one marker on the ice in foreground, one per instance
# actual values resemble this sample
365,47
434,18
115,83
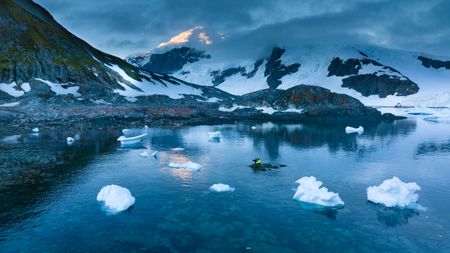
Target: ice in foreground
35,130
351,130
186,166
116,198
310,191
144,154
70,140
214,135
394,193
131,140
221,188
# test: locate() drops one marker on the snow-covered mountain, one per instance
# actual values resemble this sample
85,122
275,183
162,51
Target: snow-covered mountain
41,61
376,76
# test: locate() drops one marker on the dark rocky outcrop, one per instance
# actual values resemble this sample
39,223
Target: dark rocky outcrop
380,84
174,60
275,69
219,77
431,63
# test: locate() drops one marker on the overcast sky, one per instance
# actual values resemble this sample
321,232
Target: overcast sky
124,27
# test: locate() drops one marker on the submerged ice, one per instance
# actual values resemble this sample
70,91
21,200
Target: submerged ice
115,198
394,193
186,166
310,190
221,188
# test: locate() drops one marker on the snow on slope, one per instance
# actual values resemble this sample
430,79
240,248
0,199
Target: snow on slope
315,60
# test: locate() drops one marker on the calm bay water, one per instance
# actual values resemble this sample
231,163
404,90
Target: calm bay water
48,190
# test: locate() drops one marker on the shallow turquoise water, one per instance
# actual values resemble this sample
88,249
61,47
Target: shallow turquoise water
50,205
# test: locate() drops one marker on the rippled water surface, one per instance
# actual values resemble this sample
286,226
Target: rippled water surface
48,190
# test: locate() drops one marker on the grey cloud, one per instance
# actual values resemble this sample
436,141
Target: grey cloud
125,27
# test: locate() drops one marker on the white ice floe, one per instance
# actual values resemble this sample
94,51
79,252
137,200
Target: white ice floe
358,130
177,149
35,130
131,140
144,154
116,198
70,140
155,154
310,191
186,166
394,193
221,188
214,135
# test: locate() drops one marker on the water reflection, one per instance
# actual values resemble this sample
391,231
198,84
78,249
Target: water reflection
432,148
33,167
392,217
308,136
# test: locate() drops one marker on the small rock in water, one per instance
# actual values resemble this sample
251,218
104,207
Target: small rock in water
70,140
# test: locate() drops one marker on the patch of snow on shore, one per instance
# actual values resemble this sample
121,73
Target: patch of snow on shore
59,89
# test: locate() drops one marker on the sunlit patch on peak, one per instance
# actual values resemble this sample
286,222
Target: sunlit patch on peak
196,33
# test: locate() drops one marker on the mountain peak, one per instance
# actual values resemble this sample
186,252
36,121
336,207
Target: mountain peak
197,36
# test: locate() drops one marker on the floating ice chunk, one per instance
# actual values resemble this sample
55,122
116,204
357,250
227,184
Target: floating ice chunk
214,135
70,140
131,140
177,149
310,191
394,193
253,127
155,154
221,188
186,166
144,154
145,127
124,131
350,130
116,198
35,130
12,139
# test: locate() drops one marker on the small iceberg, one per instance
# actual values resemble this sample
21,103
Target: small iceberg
350,130
124,131
116,198
221,188
186,166
35,130
70,140
177,149
214,135
310,191
394,193
131,140
155,154
253,127
144,154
